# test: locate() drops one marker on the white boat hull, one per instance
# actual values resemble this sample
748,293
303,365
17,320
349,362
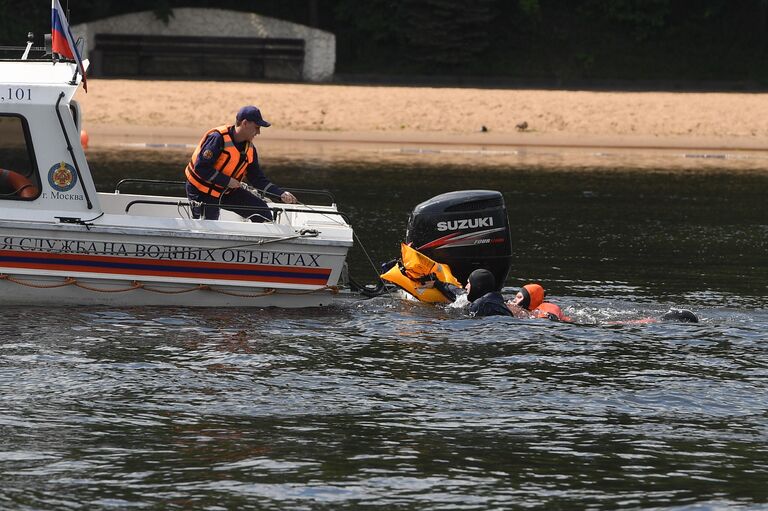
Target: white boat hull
72,291
49,267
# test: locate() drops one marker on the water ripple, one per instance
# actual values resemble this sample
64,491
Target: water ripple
383,403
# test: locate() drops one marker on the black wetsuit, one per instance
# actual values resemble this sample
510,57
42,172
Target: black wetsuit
490,304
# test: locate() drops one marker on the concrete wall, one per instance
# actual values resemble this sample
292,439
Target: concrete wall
319,49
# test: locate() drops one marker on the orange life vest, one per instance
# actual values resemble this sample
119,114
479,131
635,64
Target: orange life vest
548,310
231,163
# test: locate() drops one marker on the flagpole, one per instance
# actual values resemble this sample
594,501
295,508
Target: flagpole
64,42
53,53
73,81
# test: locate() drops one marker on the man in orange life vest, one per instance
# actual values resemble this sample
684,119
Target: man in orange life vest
224,156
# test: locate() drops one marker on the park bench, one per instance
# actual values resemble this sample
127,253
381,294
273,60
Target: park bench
191,57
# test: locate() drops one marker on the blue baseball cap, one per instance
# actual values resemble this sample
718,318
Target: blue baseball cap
253,114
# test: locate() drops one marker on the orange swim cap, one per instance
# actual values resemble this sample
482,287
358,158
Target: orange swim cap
533,296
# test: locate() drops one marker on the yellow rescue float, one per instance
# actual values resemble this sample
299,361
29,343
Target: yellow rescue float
425,279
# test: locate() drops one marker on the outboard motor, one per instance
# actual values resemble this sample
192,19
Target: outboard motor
466,230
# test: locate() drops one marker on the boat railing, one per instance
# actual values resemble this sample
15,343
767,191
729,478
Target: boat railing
276,211
28,52
13,53
303,191
309,191
146,181
311,210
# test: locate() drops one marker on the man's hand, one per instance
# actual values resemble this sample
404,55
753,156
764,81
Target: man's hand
233,183
288,198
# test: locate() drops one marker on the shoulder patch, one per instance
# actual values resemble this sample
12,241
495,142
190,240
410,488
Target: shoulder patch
207,154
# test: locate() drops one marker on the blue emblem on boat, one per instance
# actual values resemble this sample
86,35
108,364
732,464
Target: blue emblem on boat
62,177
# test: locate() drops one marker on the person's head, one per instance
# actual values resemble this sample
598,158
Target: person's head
480,282
248,122
682,315
529,297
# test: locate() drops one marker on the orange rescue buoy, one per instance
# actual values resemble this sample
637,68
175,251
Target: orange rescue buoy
19,184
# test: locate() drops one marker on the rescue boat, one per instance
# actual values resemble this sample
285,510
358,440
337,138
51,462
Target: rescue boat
63,242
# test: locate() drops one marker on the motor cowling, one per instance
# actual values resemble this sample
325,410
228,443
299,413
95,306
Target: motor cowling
466,230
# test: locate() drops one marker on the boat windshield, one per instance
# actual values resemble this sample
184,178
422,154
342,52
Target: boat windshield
19,176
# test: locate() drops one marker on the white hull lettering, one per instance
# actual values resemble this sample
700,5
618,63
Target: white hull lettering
160,252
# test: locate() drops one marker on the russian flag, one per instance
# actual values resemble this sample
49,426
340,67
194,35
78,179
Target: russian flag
62,41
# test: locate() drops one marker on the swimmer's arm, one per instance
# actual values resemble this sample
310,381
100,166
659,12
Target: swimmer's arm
517,311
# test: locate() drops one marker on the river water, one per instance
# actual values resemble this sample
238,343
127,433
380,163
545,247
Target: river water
385,404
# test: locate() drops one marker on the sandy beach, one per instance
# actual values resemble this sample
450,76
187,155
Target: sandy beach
339,121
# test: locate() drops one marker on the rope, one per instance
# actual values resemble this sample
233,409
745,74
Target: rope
199,287
314,232
134,285
333,289
67,282
268,292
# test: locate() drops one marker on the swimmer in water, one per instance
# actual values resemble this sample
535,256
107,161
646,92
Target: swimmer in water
529,302
678,315
526,300
487,301
483,296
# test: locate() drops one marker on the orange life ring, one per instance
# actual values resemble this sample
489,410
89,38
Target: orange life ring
21,186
